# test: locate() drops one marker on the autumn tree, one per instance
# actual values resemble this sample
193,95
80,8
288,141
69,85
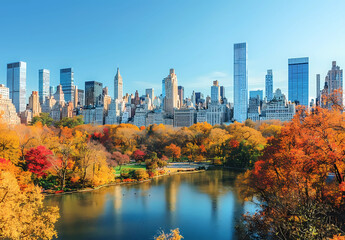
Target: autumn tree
43,118
139,155
294,179
37,160
22,212
173,151
173,235
118,159
9,145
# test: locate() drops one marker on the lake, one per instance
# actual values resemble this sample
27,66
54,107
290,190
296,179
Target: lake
203,205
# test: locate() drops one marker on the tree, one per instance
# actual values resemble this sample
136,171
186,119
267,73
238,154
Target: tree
43,118
173,151
9,145
22,212
118,159
291,179
139,155
37,160
70,122
173,235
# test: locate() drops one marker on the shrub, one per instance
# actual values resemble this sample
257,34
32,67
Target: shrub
141,174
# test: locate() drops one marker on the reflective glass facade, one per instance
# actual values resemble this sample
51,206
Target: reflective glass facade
299,81
16,82
254,94
240,82
67,83
43,84
269,85
93,93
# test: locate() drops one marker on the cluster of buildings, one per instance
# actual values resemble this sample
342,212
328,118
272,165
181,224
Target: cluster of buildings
171,107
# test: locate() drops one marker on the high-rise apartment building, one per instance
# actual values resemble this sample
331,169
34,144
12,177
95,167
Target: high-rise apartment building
215,92
34,104
334,81
180,91
222,92
81,101
299,81
269,85
7,109
256,94
93,93
118,86
171,93
318,89
43,84
240,82
67,83
16,82
4,92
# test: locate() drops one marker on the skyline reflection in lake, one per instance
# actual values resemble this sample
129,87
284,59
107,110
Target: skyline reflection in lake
203,205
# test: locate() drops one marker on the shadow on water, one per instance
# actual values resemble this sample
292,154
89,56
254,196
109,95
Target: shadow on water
203,205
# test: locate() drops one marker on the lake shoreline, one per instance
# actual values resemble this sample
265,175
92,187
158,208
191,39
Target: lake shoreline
120,183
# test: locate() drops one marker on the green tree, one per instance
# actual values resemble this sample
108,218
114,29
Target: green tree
43,118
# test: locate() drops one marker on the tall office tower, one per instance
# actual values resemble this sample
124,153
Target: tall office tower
136,98
334,80
180,91
16,82
193,98
215,92
81,101
51,90
105,91
163,88
171,93
318,89
299,81
4,92
67,83
269,85
43,84
34,104
118,85
256,94
222,92
240,82
93,93
198,96
150,92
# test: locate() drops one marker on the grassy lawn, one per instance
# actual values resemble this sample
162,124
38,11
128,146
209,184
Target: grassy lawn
130,166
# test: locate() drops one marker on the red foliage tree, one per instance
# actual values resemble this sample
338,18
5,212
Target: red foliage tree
118,159
139,155
37,160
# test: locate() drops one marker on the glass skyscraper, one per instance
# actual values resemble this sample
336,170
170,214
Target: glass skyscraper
255,94
16,82
240,82
299,81
93,93
269,85
67,83
43,84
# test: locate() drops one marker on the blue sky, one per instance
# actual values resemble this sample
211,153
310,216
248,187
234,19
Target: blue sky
147,37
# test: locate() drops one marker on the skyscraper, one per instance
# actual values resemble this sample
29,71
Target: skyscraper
215,92
171,93
222,92
43,84
51,90
334,81
150,92
81,101
34,104
93,93
16,82
118,86
318,89
240,82
269,85
256,94
180,91
299,81
67,83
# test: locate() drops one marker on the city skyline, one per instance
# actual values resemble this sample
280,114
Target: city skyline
205,57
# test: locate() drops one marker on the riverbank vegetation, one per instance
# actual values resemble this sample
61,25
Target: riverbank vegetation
299,180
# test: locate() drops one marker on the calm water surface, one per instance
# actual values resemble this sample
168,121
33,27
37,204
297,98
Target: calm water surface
203,205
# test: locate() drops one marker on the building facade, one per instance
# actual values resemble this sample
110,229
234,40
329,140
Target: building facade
240,82
118,85
93,93
215,92
16,82
43,84
180,91
298,83
334,82
269,85
67,83
171,93
7,109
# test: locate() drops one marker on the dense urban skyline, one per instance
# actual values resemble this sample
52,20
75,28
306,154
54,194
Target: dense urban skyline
198,42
